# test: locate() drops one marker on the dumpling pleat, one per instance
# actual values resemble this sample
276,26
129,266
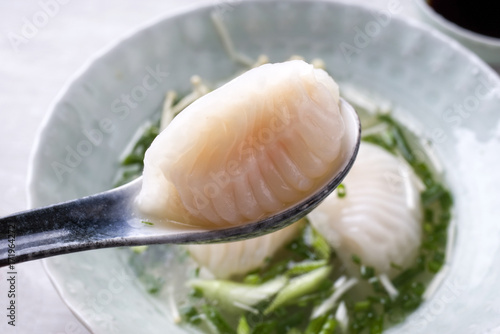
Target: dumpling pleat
374,220
245,199
288,169
279,123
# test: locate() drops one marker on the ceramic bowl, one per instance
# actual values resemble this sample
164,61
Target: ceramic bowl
488,48
443,92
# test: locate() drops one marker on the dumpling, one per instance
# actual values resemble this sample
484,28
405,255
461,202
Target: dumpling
379,218
230,259
249,149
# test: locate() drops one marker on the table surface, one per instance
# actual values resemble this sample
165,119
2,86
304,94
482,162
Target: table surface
35,63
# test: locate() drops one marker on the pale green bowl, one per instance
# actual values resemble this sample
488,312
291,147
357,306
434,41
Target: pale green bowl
437,87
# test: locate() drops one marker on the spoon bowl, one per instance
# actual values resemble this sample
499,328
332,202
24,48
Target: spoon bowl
109,219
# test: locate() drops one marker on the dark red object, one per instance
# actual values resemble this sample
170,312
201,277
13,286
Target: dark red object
480,16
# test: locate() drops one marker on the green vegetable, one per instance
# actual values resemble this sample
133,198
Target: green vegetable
356,259
329,326
366,272
310,245
302,246
377,325
396,266
275,270
215,318
362,305
243,327
384,140
305,267
402,144
153,284
133,163
321,247
294,331
328,303
299,286
229,294
252,279
341,192
315,325
190,314
139,249
266,327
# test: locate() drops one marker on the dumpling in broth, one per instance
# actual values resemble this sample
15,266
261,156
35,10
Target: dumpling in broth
229,259
379,219
249,149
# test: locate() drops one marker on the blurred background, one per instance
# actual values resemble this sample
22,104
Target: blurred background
43,44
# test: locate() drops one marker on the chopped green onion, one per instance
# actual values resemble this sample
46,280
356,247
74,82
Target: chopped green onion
328,304
432,194
288,319
229,293
305,267
321,247
301,247
195,292
252,279
139,249
190,314
396,266
407,276
275,270
434,266
266,327
243,327
341,192
377,325
294,331
384,140
402,144
362,305
428,228
153,284
298,287
329,326
217,320
316,324
367,272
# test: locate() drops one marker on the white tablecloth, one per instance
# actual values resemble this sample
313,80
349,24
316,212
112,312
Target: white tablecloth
42,44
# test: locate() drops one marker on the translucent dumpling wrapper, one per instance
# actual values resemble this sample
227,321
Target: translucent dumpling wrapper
379,218
226,260
251,148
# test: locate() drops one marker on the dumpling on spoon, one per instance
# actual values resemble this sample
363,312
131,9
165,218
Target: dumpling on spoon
379,218
249,149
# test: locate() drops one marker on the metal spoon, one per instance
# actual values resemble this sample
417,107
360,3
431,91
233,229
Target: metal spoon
108,219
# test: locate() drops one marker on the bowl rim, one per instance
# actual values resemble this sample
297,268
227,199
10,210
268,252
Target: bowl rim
454,28
60,292
184,9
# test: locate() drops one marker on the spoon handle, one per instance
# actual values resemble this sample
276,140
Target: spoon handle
87,223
